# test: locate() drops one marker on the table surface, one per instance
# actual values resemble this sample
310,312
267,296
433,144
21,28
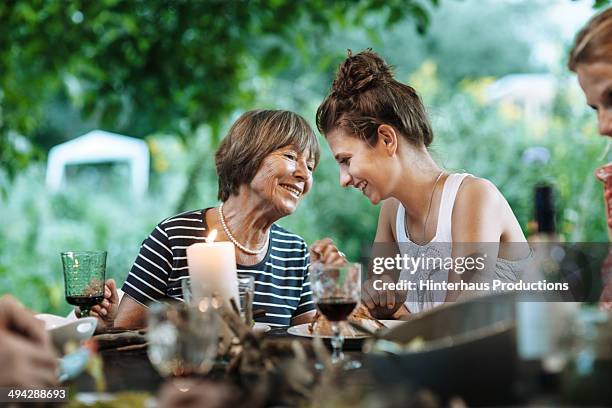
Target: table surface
130,370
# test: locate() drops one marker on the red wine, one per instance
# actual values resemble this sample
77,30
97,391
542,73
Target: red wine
336,309
85,300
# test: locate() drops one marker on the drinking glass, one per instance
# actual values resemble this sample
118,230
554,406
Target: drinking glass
336,290
246,289
182,338
186,289
84,276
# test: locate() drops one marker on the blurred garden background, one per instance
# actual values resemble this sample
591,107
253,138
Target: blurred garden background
175,74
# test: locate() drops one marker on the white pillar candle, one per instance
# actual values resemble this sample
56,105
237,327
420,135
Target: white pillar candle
212,267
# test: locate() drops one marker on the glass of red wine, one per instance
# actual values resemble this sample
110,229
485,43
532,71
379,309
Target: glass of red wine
84,276
336,290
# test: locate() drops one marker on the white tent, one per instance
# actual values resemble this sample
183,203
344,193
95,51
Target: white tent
99,146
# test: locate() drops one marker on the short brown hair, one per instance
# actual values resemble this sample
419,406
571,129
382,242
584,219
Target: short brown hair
594,42
365,95
252,137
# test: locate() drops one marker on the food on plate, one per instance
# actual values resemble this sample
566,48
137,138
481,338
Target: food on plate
321,326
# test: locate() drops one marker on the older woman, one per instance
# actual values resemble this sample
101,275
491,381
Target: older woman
265,166
591,59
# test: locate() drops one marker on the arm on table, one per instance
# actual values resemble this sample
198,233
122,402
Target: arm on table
131,314
385,304
303,318
476,228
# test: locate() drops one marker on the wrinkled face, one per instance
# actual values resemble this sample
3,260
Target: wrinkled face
361,166
596,82
283,178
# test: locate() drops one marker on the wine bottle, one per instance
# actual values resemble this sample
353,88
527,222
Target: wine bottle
544,214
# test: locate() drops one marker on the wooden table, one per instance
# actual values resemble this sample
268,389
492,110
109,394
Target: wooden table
130,370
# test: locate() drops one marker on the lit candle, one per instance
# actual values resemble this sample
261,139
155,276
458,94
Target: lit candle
212,267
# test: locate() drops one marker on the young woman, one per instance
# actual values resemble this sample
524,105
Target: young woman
591,59
379,133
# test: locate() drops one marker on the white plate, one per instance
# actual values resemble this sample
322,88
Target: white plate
302,330
63,329
261,328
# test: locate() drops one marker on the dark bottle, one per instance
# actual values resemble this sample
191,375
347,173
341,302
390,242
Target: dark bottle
544,209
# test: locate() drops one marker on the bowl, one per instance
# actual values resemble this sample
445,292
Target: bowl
63,330
466,349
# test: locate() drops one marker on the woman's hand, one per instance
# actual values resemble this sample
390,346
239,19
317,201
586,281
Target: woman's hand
17,319
106,312
326,252
382,304
26,352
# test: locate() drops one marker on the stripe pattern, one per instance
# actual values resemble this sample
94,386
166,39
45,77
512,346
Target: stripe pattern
282,286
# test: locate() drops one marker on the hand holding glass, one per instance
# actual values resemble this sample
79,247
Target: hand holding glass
84,276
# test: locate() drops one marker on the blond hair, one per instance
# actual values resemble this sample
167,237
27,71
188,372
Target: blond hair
594,42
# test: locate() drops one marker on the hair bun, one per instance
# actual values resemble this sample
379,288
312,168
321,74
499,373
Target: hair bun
359,73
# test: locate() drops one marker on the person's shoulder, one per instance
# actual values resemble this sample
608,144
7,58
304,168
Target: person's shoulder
478,198
286,244
477,190
185,223
187,216
480,213
285,236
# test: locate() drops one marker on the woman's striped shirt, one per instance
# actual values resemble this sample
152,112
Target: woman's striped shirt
282,287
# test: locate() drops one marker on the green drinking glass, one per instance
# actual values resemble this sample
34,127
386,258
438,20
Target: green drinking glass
84,276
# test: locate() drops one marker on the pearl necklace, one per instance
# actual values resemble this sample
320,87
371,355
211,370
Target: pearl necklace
234,240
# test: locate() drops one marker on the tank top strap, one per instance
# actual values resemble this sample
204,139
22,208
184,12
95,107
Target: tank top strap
447,202
400,229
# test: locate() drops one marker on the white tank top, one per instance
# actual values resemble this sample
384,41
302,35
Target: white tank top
440,247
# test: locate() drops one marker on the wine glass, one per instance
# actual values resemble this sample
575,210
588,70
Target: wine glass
182,338
246,288
336,290
84,276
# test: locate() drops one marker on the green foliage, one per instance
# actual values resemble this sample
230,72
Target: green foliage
470,136
140,67
179,72
489,142
38,225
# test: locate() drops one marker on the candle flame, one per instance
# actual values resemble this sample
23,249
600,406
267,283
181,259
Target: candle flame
211,236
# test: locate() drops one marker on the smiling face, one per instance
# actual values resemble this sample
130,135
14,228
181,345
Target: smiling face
596,81
283,178
366,168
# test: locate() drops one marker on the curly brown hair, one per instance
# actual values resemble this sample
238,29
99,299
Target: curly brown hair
365,95
594,42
